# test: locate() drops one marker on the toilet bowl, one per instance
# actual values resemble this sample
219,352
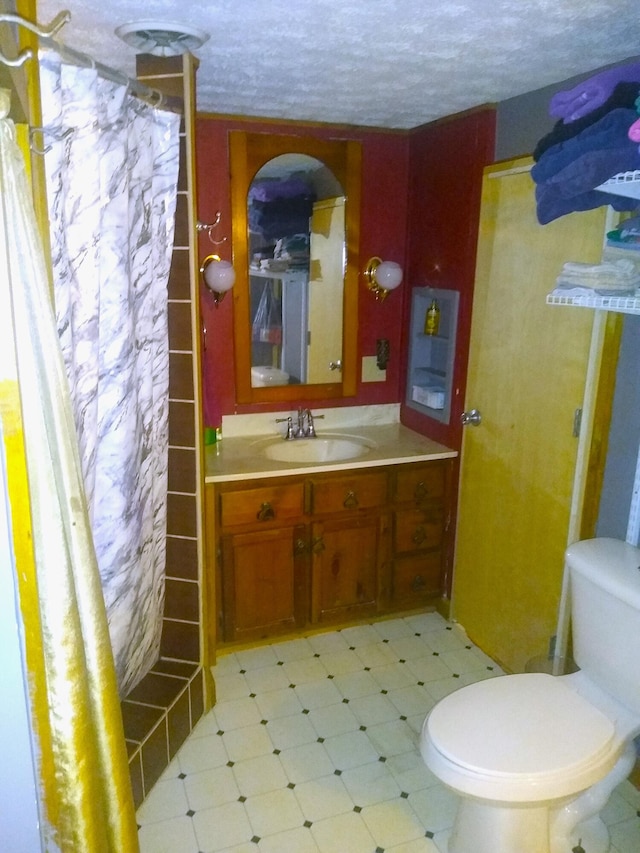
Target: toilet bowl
534,757
542,744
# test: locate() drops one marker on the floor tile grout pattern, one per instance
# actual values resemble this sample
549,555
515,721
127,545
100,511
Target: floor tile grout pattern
313,746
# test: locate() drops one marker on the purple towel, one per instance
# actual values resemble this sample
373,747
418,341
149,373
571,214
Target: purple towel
594,168
551,205
624,95
574,103
270,190
611,132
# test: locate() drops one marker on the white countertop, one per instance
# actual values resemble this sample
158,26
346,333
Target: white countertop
239,458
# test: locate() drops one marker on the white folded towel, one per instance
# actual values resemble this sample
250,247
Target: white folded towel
620,276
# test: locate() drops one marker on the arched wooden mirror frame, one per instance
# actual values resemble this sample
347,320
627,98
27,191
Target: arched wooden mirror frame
248,152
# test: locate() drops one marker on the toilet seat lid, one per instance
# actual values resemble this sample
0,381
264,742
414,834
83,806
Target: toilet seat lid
530,725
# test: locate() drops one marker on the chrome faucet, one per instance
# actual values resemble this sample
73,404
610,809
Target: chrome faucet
304,428
300,430
311,428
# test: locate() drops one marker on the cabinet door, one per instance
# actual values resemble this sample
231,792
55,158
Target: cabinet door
419,529
344,494
264,582
417,578
418,483
346,556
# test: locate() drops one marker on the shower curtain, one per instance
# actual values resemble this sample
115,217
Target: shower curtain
85,791
111,163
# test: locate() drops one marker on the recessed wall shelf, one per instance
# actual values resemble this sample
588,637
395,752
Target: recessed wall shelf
431,357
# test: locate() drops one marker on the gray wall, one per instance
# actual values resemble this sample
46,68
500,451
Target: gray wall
624,437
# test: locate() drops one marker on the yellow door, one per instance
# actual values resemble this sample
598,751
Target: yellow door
326,289
527,370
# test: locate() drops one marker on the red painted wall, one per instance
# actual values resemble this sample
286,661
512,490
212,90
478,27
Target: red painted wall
446,163
383,229
420,206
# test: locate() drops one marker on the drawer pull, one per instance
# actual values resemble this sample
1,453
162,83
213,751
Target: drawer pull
351,501
266,512
418,583
318,546
419,535
422,491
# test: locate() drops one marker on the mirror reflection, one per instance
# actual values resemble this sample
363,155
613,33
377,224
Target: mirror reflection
296,265
299,261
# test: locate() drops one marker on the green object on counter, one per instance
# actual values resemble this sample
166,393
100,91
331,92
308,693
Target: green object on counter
210,435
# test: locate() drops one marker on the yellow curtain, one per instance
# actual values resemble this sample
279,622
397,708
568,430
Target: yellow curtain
87,806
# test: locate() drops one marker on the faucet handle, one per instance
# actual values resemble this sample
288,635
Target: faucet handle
289,422
311,429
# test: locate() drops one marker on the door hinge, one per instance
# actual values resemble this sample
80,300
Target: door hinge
577,422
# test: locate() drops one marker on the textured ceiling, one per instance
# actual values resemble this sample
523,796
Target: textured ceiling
385,63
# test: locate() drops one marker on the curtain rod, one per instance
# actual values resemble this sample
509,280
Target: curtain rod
45,36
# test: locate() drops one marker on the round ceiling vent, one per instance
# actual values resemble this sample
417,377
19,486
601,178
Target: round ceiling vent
162,38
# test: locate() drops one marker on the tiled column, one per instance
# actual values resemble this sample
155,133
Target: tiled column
161,711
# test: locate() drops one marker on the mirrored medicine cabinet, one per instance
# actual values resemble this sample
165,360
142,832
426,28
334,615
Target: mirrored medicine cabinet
296,216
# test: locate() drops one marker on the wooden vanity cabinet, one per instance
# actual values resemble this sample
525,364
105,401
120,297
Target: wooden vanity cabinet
420,522
330,548
264,582
262,559
349,544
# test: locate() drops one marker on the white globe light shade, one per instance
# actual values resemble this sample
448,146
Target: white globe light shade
388,275
219,276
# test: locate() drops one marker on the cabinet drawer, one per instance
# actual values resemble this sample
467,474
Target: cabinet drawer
415,578
418,529
270,503
362,491
420,482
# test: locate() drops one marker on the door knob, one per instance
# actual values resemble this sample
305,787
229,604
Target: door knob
471,418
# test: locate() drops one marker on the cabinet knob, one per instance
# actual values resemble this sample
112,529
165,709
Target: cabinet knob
418,583
266,512
318,546
299,546
422,491
351,501
419,535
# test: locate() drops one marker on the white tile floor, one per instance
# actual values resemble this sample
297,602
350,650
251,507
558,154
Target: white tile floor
312,746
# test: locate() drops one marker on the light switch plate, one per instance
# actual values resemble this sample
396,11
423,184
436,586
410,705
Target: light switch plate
370,371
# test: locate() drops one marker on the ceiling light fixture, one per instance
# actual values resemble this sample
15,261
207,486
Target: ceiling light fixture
162,38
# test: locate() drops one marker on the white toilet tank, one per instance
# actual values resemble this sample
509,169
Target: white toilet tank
605,611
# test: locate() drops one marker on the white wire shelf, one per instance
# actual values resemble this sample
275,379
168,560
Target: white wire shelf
620,304
626,183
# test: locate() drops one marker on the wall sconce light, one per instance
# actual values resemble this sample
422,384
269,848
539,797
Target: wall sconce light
382,276
218,275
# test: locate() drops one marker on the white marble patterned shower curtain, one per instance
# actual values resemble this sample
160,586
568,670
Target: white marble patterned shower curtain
112,169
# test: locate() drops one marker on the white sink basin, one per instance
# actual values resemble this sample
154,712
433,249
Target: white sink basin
324,448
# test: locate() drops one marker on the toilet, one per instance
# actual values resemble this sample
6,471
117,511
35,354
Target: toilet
534,757
264,376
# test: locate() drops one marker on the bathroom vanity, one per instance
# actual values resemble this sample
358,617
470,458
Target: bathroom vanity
298,544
